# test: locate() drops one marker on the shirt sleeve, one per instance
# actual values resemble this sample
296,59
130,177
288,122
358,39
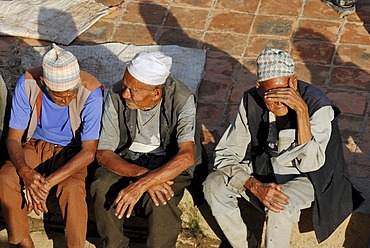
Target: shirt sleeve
110,134
21,109
310,156
231,152
186,121
91,115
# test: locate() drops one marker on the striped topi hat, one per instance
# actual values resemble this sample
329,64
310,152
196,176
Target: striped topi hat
274,63
60,68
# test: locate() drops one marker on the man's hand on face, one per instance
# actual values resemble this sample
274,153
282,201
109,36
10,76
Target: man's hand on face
36,190
289,96
161,193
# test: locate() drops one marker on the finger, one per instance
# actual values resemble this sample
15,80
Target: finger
169,191
122,210
36,208
44,208
154,197
160,197
33,197
129,211
276,207
29,202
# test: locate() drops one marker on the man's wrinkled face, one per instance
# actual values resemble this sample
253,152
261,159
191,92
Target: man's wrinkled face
137,94
62,98
276,107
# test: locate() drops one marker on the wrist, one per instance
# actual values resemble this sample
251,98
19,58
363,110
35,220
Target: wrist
23,170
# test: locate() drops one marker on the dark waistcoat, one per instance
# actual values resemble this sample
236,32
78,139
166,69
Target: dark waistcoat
334,192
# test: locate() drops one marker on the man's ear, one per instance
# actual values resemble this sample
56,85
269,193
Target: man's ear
157,94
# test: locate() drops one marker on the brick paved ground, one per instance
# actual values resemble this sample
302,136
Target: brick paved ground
331,53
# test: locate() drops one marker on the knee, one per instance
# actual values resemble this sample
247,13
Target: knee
8,177
213,186
72,189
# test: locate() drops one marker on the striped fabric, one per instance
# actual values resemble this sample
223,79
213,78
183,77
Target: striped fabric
274,63
61,71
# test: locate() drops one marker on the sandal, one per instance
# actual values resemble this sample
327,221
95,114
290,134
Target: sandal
342,7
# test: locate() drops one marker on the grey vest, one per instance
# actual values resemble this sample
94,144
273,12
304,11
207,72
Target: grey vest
174,96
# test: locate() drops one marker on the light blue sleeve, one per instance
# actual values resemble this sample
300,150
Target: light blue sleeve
21,109
91,115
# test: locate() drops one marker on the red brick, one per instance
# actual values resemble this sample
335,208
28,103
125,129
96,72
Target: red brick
187,18
350,78
312,73
312,51
99,32
210,113
232,44
363,158
197,3
110,2
281,7
355,34
236,5
238,90
246,73
350,126
273,25
214,90
180,37
219,65
230,113
316,9
144,13
135,34
257,44
114,15
350,55
317,30
362,13
349,103
231,21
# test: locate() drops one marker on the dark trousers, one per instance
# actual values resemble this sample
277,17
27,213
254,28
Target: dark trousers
164,221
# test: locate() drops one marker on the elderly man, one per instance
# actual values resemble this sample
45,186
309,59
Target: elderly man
147,151
60,108
282,152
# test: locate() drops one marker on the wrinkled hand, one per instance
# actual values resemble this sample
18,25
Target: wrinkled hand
126,200
37,190
272,196
288,96
161,193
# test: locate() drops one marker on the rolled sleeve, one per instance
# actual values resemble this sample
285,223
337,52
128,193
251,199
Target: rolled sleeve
186,121
110,134
231,152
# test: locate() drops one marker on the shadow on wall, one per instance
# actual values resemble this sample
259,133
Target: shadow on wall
363,12
308,47
222,67
52,220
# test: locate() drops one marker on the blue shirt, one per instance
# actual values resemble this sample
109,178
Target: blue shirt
54,125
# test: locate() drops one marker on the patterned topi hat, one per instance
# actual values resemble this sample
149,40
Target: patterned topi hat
60,68
274,63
